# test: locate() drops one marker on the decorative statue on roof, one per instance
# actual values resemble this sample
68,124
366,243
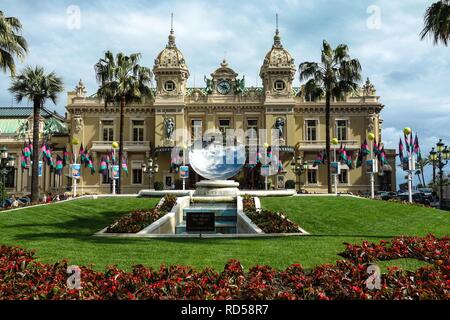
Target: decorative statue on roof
240,85
368,88
169,126
279,125
209,85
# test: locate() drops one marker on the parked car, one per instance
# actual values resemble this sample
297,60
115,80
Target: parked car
417,197
389,195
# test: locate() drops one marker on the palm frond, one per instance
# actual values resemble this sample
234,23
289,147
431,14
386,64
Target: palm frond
437,23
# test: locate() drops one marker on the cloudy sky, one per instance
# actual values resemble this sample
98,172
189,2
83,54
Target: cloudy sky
411,76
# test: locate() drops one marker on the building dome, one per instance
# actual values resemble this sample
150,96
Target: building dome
278,56
171,56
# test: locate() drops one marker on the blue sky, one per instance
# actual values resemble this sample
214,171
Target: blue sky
411,76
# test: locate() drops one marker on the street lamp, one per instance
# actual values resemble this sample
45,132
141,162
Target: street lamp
115,168
6,166
150,167
298,167
441,157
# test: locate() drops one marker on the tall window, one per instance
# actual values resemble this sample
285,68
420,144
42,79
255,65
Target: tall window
108,130
137,173
343,176
196,129
105,178
341,129
10,179
224,124
252,128
311,130
312,176
138,130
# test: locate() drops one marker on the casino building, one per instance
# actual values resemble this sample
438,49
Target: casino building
223,103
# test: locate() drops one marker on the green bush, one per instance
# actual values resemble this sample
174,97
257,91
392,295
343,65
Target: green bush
3,194
158,185
290,184
178,184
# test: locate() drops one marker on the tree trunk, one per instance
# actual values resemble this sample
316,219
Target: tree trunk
122,107
423,175
35,156
327,138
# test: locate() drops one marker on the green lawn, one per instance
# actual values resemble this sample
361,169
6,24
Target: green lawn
65,230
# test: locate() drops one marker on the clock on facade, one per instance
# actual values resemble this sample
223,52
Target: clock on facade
223,87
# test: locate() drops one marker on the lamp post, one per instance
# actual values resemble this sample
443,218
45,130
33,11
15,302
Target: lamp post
440,157
150,167
266,182
298,167
411,165
184,147
115,168
335,142
6,166
371,138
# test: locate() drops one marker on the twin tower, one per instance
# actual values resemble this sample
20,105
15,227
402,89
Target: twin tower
171,73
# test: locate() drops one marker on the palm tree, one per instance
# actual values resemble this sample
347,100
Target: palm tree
437,22
421,164
36,86
335,76
12,44
122,80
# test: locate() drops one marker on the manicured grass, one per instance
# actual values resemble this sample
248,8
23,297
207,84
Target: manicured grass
348,216
64,230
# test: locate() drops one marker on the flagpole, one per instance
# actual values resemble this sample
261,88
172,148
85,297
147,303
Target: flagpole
335,141
371,138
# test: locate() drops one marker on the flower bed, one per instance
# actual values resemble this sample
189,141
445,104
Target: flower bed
22,277
268,221
137,220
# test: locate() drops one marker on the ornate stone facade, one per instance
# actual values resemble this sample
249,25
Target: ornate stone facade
225,102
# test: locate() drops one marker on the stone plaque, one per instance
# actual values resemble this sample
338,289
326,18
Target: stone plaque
200,221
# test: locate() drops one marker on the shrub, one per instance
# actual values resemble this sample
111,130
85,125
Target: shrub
137,220
268,221
22,277
178,183
158,185
290,184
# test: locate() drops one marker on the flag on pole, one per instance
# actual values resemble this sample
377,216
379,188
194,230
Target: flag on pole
406,143
30,146
383,159
349,159
23,161
364,149
375,148
400,150
66,157
103,168
343,155
359,160
81,153
26,150
124,164
319,159
59,164
417,148
411,142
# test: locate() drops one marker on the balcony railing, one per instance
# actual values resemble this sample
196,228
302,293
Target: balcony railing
127,145
320,144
